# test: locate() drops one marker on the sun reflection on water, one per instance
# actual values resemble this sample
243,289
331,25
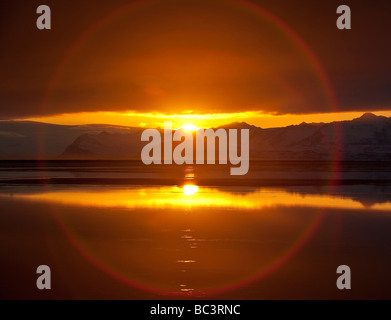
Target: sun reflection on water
191,195
190,242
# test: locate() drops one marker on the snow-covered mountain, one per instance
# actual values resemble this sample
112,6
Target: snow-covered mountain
37,140
105,145
364,138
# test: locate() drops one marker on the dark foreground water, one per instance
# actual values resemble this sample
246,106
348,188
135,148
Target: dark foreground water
187,239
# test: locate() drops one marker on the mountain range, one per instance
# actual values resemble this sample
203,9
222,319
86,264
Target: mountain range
367,138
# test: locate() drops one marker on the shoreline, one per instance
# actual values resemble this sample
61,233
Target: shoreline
199,182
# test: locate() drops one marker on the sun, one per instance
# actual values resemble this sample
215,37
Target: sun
189,127
189,189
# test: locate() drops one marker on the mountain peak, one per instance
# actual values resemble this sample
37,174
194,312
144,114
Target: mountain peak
239,125
368,116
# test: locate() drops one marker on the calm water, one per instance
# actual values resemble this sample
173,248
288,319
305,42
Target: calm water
188,240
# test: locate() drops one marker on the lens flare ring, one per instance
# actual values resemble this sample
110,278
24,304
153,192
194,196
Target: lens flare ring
275,22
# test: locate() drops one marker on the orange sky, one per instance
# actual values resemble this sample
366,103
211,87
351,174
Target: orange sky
207,62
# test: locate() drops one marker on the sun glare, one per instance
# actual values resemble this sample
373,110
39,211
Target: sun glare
189,127
189,189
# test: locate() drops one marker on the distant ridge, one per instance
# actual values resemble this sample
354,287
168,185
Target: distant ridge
367,138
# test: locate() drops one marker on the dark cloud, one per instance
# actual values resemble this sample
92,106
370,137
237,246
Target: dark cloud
205,56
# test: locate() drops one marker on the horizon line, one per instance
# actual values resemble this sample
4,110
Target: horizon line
186,120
